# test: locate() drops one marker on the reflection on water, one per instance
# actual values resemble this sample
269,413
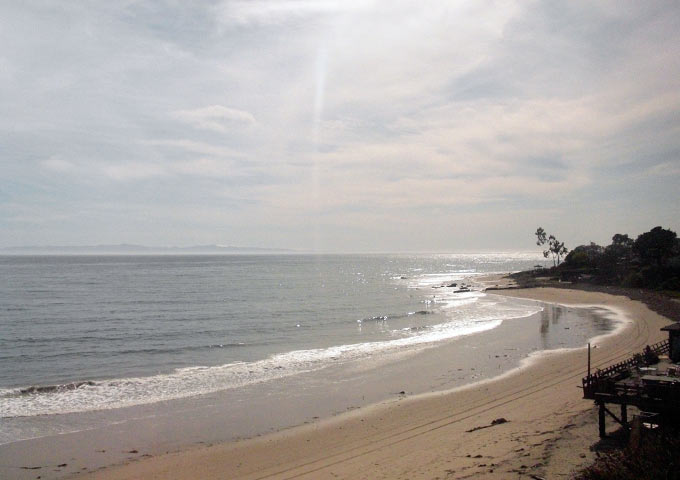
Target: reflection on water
550,314
595,321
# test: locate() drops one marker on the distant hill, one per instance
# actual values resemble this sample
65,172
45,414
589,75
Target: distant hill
128,249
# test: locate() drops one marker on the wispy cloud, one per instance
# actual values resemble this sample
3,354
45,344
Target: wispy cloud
58,164
277,11
665,169
203,148
133,171
351,119
215,117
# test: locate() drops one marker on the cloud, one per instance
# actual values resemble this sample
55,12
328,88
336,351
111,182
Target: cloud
215,117
133,171
664,169
58,164
277,11
210,168
192,146
330,114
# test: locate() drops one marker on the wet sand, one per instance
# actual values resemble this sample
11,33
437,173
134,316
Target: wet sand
430,430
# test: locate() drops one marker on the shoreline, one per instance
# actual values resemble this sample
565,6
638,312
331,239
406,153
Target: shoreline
177,425
446,434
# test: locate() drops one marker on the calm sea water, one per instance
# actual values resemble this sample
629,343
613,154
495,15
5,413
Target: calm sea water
93,332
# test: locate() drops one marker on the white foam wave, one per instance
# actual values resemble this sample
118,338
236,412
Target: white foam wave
184,382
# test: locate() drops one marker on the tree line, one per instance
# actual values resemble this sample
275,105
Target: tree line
652,260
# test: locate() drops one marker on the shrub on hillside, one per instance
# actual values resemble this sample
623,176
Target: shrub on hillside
656,458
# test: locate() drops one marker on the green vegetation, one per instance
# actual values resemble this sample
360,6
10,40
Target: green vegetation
651,261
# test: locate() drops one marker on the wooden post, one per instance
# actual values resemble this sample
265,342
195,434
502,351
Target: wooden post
600,415
624,415
588,362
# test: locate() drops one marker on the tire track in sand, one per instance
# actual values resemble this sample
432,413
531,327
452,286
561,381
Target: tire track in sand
375,442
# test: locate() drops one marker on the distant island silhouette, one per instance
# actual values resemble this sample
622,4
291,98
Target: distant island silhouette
125,248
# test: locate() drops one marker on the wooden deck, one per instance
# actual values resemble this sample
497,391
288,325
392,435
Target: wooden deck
653,390
603,380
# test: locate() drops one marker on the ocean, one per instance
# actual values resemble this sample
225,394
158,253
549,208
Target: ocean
85,334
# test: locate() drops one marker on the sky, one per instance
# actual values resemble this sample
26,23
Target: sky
338,126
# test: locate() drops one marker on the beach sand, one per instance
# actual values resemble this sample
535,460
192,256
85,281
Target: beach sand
547,433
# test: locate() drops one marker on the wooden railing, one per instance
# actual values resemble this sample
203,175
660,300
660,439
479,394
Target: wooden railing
603,380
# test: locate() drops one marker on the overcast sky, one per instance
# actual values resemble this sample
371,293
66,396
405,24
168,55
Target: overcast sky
338,125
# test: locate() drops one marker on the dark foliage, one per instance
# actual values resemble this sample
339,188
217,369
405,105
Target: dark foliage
656,246
656,458
651,261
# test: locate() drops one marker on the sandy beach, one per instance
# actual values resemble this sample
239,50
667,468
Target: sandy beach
295,239
547,431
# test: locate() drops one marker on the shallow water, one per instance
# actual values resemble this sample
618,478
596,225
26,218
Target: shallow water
365,350
91,332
